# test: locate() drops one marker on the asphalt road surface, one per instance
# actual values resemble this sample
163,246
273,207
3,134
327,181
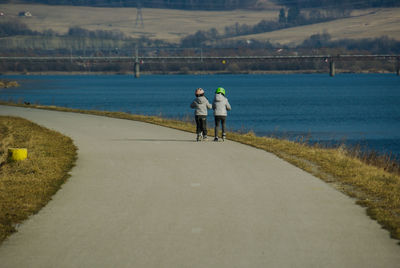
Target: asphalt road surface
147,196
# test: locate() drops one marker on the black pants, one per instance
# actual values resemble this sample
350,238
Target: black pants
201,124
218,119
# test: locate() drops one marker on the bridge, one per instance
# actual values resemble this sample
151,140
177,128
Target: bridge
138,60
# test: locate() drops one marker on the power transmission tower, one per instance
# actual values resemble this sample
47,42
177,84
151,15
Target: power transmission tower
139,15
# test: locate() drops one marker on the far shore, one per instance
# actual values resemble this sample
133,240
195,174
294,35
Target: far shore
338,71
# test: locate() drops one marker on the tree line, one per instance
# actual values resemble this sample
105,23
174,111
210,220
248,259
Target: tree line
81,40
14,28
229,66
318,44
286,19
11,28
379,45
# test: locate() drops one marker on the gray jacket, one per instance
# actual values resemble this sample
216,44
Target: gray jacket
221,105
200,104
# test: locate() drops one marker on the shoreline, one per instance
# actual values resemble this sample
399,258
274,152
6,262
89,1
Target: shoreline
8,84
338,71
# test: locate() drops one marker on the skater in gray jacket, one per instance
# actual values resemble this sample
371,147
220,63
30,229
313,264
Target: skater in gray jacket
220,106
200,104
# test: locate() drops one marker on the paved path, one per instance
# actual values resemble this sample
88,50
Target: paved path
147,196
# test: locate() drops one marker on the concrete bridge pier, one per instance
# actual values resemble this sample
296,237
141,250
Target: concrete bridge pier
332,70
137,69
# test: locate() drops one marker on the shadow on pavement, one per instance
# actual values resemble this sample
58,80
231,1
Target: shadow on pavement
153,140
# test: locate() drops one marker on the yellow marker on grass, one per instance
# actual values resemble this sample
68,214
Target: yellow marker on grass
17,154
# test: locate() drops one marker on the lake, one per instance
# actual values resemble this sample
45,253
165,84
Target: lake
353,108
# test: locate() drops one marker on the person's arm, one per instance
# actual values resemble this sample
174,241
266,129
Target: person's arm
227,105
193,105
209,106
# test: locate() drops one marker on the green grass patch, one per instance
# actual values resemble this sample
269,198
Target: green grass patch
28,185
373,184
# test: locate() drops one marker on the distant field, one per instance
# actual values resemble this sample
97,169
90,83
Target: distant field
165,24
171,25
363,24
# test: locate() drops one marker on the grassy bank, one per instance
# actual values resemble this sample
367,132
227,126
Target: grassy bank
375,185
7,84
26,186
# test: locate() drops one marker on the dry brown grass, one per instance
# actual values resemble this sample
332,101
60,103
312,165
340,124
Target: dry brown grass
7,84
372,186
171,25
371,23
26,186
167,24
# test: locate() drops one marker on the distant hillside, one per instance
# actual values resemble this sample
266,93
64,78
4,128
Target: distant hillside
174,4
167,24
172,25
367,23
348,4
218,4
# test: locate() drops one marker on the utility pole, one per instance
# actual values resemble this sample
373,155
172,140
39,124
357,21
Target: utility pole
139,15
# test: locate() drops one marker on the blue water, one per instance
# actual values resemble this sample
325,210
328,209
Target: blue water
351,108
